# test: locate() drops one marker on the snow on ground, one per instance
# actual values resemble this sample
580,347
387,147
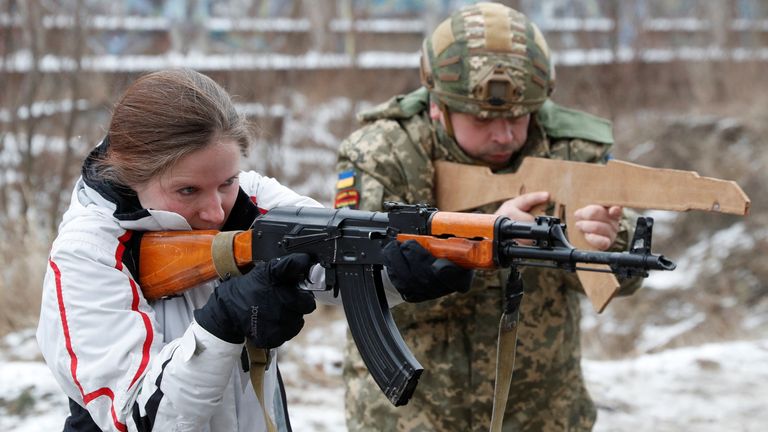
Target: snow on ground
711,387
28,387
708,253
714,387
30,399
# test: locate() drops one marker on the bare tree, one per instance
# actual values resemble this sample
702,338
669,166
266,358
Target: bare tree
24,129
320,14
73,78
39,170
7,48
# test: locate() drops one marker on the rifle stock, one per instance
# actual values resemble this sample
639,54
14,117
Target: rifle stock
573,185
172,261
348,244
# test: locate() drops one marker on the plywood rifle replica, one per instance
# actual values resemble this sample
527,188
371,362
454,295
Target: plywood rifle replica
348,245
573,185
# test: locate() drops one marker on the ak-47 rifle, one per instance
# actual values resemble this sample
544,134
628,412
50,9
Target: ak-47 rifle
573,185
348,244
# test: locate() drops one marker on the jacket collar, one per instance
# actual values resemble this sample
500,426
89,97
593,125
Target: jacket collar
124,200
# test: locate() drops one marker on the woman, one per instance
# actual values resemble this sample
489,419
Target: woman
170,161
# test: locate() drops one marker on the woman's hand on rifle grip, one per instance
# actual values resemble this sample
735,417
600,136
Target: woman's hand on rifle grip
265,305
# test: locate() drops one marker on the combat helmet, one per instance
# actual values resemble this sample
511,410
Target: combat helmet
487,60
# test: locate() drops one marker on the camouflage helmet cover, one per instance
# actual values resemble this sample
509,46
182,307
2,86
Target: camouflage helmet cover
488,60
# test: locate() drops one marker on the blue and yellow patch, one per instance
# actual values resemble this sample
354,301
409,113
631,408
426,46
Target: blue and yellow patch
346,179
347,194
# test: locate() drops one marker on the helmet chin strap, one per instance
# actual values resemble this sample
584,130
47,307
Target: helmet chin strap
447,123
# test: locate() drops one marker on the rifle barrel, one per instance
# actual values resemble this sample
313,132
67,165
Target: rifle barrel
570,257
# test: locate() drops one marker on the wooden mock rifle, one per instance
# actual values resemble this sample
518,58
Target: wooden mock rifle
573,185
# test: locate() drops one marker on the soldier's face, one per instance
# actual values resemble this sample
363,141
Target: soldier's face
492,141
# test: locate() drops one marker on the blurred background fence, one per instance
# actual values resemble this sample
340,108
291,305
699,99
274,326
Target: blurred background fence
301,69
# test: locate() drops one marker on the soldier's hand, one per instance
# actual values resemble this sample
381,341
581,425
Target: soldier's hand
419,276
522,207
599,224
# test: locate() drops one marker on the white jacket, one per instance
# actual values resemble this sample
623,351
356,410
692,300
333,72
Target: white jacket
132,364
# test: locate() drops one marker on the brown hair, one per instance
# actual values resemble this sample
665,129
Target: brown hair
164,116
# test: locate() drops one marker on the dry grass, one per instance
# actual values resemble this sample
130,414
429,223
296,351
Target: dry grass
23,257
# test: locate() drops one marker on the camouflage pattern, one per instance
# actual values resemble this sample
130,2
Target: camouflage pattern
488,60
454,338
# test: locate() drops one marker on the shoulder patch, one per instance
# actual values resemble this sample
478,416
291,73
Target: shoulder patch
346,179
349,198
347,194
564,123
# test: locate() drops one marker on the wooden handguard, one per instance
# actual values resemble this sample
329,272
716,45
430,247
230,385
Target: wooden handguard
475,253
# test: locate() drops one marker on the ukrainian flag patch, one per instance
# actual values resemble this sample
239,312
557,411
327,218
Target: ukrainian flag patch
346,179
347,194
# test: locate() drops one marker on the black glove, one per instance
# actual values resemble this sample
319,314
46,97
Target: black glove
419,276
265,305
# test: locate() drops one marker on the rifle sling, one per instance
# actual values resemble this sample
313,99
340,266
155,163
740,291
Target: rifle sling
258,364
223,253
505,363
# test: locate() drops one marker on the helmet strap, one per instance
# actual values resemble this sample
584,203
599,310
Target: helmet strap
446,119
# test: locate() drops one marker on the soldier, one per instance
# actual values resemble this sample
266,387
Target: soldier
487,77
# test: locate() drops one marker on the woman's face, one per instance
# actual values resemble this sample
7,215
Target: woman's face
202,186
